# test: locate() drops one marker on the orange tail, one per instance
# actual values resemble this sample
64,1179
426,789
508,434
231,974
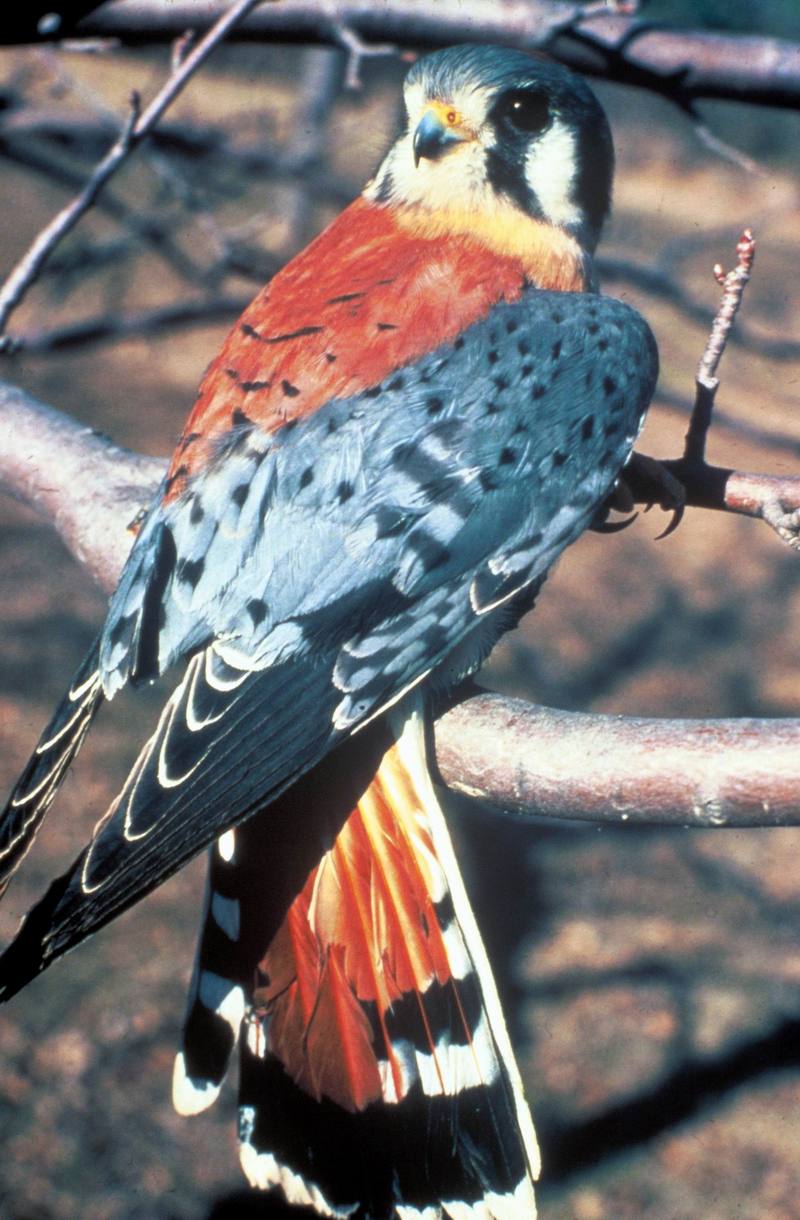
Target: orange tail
377,1072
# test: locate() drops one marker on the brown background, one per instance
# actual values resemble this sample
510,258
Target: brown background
652,978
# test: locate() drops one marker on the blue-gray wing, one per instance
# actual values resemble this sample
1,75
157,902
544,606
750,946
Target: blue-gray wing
315,574
482,460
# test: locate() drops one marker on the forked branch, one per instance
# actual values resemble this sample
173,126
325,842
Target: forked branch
690,480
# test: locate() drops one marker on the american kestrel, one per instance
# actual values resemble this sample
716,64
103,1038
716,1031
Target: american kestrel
400,435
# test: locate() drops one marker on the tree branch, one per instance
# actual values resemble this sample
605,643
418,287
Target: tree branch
689,480
138,323
89,494
685,65
621,768
528,759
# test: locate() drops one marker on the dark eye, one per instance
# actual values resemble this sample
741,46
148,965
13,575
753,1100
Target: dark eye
526,111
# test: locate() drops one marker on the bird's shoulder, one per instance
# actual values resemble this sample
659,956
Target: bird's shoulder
371,294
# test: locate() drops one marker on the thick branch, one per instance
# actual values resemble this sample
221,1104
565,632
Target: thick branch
85,486
682,64
621,768
529,759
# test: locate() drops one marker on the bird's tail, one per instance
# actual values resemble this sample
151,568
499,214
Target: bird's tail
377,1077
47,766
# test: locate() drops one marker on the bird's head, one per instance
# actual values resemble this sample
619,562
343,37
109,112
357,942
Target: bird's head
496,133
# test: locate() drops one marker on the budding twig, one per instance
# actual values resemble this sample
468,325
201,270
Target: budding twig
774,500
707,382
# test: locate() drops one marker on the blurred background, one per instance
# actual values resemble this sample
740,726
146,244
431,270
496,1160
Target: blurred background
651,977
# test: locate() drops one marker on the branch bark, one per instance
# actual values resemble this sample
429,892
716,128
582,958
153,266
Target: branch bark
532,760
621,768
682,64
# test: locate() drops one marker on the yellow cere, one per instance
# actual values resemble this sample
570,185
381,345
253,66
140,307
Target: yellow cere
449,116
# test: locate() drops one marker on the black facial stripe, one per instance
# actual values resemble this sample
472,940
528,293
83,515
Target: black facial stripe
505,173
385,188
595,171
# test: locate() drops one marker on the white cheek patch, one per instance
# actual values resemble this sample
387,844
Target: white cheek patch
550,173
458,179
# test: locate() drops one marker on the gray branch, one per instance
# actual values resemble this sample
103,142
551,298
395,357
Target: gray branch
686,65
528,759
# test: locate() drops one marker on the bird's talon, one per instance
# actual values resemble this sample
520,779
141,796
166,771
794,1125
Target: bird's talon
677,517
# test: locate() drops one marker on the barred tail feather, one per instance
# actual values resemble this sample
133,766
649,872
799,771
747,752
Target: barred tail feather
377,1077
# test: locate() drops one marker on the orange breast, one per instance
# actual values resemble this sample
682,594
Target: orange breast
366,297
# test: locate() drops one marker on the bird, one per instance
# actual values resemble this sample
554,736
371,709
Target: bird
396,441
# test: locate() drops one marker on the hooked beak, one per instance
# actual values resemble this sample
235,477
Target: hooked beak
433,138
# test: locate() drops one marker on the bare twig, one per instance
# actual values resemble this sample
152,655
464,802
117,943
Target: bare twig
728,152
733,285
357,51
684,65
180,49
116,327
148,230
29,267
707,382
661,284
532,760
774,500
138,125
783,442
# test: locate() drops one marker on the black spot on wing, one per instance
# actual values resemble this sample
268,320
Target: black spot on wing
294,334
189,571
257,610
390,522
432,553
144,650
